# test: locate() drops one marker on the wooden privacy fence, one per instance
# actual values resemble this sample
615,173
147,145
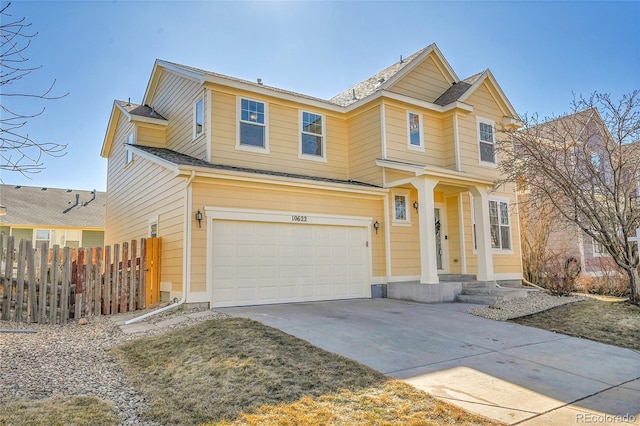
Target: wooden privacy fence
51,286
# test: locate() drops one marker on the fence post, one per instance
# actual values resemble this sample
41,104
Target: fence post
66,282
142,300
20,280
97,273
32,302
133,276
53,297
8,280
79,308
116,279
125,277
44,280
106,290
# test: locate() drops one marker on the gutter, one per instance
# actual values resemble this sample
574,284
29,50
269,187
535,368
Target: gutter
187,252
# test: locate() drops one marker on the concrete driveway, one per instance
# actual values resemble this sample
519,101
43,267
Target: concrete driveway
508,372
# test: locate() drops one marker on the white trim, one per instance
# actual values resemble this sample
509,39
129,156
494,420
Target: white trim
194,111
387,237
456,142
507,200
208,122
312,157
296,218
251,148
492,123
131,140
412,147
150,222
407,199
383,129
378,280
463,241
403,278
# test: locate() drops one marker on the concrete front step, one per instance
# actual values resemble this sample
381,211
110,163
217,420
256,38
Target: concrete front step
488,295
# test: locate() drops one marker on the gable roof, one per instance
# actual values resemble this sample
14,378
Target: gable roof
178,159
52,207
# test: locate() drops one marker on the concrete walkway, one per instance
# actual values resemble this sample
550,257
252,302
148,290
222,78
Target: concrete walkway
508,372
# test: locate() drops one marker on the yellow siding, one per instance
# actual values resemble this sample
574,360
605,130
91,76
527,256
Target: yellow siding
220,193
364,146
155,192
151,136
448,143
405,242
425,82
484,106
174,100
397,136
284,139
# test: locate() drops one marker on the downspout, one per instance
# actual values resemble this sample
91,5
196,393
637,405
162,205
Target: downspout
186,275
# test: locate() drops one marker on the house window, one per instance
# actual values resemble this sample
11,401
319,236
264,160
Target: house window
312,135
400,207
252,132
414,123
486,141
198,118
42,236
153,228
130,141
500,226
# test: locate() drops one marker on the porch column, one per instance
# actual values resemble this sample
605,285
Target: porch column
483,233
426,212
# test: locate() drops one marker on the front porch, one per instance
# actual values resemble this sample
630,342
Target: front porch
456,288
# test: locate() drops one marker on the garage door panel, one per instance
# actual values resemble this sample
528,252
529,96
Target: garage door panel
259,262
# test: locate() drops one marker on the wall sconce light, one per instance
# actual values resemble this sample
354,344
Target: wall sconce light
199,218
416,205
376,226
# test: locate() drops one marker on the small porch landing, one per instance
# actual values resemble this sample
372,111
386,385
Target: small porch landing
456,288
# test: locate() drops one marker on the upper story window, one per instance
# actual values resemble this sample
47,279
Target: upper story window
312,141
252,126
486,140
414,124
130,141
198,117
500,225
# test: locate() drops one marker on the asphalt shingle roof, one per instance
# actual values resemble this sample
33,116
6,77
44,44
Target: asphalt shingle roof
30,205
186,160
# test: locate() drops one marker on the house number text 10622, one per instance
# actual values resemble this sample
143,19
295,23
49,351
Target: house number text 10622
296,218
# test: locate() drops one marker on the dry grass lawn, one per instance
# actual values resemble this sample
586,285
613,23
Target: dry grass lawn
59,411
607,322
238,371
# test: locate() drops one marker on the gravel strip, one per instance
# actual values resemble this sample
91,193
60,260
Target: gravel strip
535,302
73,360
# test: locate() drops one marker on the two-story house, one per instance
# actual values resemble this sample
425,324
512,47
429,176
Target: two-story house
262,195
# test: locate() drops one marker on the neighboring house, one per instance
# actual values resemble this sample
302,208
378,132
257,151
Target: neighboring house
66,217
262,195
583,135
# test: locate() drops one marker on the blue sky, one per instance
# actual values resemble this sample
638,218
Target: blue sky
540,53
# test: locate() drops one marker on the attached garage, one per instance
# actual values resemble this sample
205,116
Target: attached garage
272,257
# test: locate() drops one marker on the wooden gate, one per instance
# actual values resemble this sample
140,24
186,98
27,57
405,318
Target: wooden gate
153,271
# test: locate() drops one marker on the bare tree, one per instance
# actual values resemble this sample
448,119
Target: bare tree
587,166
18,151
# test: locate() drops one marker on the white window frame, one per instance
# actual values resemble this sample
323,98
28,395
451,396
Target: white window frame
131,140
407,203
196,134
153,221
302,132
60,235
491,123
246,147
507,202
419,147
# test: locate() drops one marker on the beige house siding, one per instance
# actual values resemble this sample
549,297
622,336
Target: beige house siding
156,194
283,123
151,136
364,131
426,82
454,242
405,238
174,100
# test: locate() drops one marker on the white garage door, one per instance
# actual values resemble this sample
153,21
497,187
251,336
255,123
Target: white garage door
259,263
